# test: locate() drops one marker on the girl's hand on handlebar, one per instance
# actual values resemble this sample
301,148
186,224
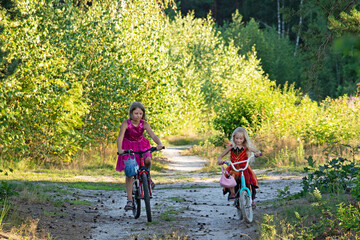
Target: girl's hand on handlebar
159,147
258,154
121,151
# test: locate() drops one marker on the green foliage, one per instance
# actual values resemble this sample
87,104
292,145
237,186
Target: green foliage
282,193
349,216
268,228
355,191
6,190
327,218
276,54
336,176
69,75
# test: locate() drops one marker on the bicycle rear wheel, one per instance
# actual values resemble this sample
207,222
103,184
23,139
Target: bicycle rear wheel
145,184
245,206
136,200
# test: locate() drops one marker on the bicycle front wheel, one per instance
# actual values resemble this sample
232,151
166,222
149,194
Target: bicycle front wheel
145,183
245,206
136,200
238,209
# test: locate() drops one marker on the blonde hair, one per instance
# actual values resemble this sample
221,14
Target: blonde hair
247,143
136,105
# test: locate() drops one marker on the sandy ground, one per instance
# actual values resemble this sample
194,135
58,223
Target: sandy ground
196,209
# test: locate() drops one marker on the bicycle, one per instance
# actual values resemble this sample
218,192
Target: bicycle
142,185
243,197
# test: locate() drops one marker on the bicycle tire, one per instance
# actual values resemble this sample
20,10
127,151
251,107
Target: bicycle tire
245,206
145,183
238,209
136,200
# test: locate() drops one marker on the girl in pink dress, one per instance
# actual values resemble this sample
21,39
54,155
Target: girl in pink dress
131,136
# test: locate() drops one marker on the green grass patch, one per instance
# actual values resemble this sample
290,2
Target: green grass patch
97,186
176,199
78,202
188,187
54,214
152,223
314,217
187,178
169,215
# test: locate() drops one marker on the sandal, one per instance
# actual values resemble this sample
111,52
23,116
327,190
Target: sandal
253,205
129,205
231,197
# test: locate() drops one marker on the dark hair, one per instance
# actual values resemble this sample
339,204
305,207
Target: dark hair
136,105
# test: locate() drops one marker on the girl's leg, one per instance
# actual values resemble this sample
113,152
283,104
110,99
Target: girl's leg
253,192
232,194
148,166
232,190
148,163
128,185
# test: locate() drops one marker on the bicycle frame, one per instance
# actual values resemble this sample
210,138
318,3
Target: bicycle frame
142,170
242,178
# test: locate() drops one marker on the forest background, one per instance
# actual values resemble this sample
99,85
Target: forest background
288,71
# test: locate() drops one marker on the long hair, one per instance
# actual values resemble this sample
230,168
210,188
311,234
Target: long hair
136,105
247,143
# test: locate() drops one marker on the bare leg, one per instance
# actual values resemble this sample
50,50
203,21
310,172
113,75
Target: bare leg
148,166
128,185
148,163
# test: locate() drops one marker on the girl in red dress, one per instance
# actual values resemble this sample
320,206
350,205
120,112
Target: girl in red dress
131,136
240,148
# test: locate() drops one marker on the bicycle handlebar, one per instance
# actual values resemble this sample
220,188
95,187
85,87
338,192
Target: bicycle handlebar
241,169
152,149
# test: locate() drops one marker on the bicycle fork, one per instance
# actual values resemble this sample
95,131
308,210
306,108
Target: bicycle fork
243,187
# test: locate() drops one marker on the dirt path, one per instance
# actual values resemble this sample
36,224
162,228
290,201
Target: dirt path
195,208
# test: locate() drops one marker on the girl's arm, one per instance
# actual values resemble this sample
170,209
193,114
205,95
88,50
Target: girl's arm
256,152
120,138
226,151
153,135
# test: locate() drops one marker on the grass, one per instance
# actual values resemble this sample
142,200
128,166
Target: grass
97,186
176,199
170,215
307,218
54,214
187,187
78,202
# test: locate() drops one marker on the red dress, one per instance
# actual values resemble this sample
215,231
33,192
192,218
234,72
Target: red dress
133,139
237,155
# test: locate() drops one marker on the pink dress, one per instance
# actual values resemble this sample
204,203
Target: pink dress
133,139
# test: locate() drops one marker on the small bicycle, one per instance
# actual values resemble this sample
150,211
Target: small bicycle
243,197
142,185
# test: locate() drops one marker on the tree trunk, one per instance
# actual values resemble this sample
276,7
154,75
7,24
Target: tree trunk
214,10
282,19
299,30
279,18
